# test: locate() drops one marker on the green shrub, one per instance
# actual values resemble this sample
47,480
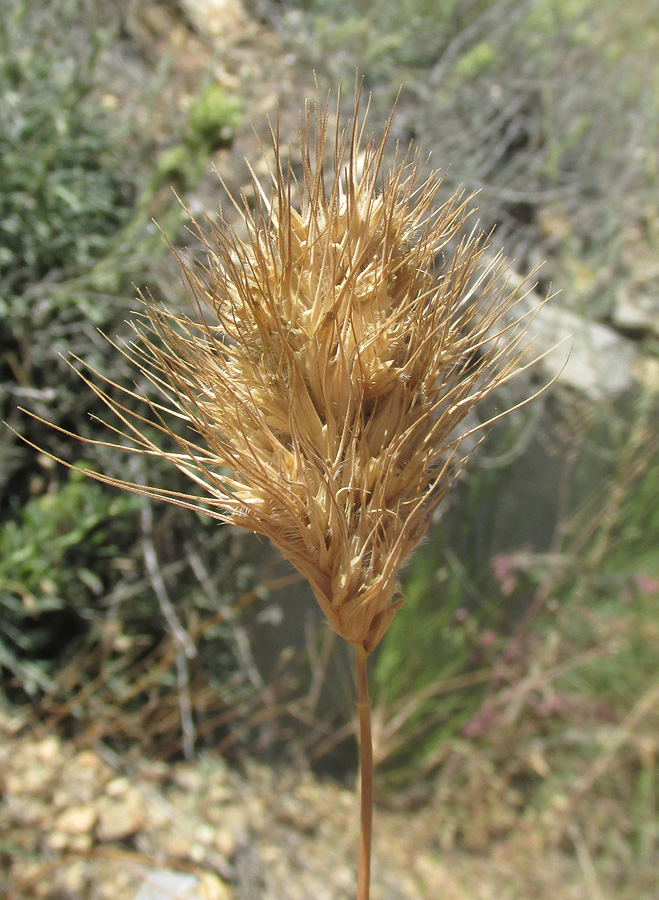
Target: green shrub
75,209
476,61
50,577
67,183
213,119
77,192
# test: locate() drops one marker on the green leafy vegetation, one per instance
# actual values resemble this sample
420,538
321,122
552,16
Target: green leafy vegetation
72,175
213,118
59,557
78,188
210,124
66,188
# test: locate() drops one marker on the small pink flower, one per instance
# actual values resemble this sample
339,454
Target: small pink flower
504,567
646,583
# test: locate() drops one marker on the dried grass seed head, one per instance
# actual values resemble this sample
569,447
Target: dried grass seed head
326,402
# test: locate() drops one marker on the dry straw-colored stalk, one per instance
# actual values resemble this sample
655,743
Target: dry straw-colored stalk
335,352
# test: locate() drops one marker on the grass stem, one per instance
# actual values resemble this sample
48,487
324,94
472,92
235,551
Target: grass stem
366,772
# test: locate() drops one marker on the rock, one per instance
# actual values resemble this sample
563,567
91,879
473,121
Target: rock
61,840
231,830
636,312
34,780
176,844
165,884
197,852
57,840
76,820
11,723
436,878
226,842
212,888
29,812
119,819
81,779
49,749
297,814
118,787
72,878
216,18
592,359
80,843
154,770
188,777
89,760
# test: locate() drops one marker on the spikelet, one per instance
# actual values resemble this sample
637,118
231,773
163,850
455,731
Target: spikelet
357,329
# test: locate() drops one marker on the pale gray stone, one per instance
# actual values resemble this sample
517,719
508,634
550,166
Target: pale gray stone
589,357
165,884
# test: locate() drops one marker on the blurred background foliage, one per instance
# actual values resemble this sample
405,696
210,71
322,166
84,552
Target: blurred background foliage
521,671
548,109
